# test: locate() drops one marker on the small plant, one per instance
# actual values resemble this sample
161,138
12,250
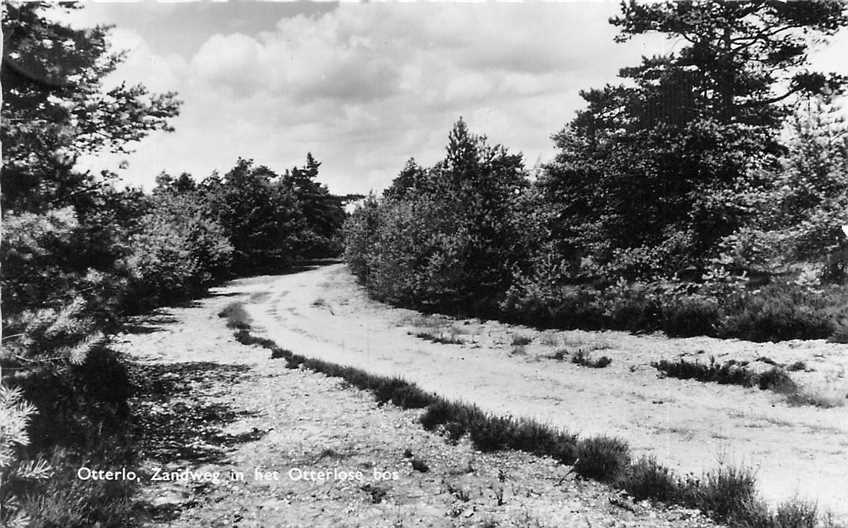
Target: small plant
377,493
518,350
499,495
419,465
441,339
236,316
796,514
803,397
777,380
459,492
647,479
729,493
521,340
602,458
582,358
728,373
768,361
560,354
797,366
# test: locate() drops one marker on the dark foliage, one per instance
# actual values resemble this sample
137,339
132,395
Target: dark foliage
602,458
584,359
647,479
776,313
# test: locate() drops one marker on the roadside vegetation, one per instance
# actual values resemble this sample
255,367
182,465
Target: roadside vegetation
732,372
79,254
727,494
704,195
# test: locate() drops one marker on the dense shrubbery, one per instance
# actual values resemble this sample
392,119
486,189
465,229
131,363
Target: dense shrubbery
420,245
447,237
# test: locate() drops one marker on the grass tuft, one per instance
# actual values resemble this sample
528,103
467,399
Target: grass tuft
584,359
602,458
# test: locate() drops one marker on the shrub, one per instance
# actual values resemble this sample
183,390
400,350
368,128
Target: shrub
777,380
582,358
796,514
178,252
602,458
728,373
728,493
688,316
647,479
777,313
632,308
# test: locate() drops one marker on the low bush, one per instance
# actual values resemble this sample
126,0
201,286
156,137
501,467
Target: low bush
796,514
647,479
728,373
777,313
583,358
689,316
602,458
777,380
728,493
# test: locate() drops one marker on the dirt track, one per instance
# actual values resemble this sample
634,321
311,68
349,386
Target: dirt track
209,403
688,425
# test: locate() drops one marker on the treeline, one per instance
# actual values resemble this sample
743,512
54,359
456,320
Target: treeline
695,198
78,255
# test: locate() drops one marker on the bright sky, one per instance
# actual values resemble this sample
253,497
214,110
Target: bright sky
363,87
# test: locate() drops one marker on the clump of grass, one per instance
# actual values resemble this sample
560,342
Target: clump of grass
796,514
795,367
560,354
441,339
647,479
602,458
376,493
728,493
803,397
521,340
518,350
768,361
583,358
776,380
419,465
236,316
728,373
492,433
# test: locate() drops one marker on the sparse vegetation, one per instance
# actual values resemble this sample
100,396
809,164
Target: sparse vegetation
584,359
776,379
521,340
726,493
440,338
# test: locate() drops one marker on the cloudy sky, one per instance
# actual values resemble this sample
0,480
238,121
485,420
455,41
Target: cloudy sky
363,87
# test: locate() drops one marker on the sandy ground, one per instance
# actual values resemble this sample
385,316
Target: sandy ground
689,425
210,404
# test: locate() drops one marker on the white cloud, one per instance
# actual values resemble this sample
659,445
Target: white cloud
364,87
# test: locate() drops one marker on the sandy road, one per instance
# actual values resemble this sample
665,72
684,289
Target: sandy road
206,404
691,426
